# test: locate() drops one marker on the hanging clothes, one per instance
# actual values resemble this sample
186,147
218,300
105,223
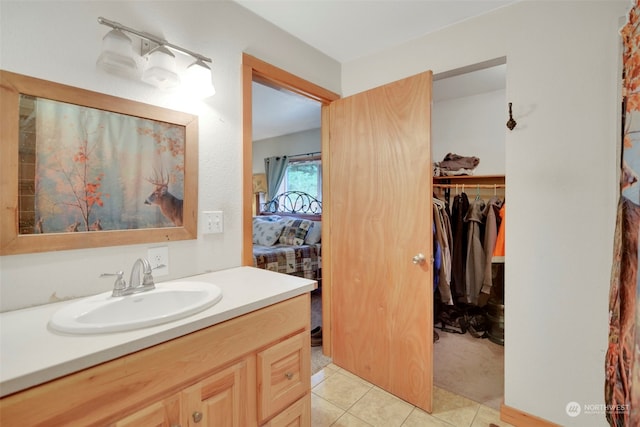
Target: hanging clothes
492,223
459,246
443,238
437,258
474,272
499,249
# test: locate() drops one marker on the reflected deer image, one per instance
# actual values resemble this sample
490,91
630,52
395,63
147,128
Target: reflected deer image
73,227
96,226
170,206
39,229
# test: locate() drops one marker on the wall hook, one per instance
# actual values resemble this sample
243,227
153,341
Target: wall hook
511,123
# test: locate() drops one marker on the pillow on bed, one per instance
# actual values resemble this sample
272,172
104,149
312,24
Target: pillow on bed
269,218
294,232
266,232
314,234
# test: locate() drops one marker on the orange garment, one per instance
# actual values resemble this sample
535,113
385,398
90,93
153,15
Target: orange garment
499,249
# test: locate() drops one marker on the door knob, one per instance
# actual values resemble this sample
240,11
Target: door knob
419,259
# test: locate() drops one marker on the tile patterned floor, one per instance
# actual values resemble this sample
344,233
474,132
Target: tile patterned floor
341,399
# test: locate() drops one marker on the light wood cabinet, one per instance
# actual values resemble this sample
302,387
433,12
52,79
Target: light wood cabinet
220,400
296,415
248,371
283,375
165,413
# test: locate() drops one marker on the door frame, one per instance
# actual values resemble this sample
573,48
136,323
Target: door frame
254,69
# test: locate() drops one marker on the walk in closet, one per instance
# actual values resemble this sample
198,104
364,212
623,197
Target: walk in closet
469,116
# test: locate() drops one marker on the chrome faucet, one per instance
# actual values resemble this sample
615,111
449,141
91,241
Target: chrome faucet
147,278
120,287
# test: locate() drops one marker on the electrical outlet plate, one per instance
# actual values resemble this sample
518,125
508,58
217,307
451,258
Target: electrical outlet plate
159,259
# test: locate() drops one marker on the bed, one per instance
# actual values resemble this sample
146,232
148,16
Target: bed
287,234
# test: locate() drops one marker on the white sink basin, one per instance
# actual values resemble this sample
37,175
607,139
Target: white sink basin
103,313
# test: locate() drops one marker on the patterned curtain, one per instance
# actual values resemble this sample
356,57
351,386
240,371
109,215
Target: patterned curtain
622,364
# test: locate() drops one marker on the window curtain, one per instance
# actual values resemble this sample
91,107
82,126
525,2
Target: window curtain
622,362
275,167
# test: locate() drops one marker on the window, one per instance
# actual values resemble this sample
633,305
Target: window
305,176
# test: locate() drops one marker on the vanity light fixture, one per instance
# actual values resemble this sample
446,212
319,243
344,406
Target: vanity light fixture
160,69
117,55
157,61
198,77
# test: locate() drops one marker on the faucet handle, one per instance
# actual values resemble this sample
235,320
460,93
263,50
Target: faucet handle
147,276
119,285
147,279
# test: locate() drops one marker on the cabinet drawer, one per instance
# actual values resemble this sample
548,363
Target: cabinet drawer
164,413
296,415
284,374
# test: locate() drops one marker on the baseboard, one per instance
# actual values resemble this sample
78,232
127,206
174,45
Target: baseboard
521,419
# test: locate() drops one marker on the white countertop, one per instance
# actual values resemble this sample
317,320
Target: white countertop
31,353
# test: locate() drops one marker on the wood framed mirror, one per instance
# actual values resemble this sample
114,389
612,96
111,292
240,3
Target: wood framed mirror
81,169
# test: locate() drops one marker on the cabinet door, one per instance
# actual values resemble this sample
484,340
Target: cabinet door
220,400
160,414
284,374
296,415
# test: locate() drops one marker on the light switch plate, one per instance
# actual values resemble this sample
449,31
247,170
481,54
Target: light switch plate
212,222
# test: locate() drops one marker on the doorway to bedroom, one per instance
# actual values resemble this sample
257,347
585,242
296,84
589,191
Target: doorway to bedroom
282,190
287,159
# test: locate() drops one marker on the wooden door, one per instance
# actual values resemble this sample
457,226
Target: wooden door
380,202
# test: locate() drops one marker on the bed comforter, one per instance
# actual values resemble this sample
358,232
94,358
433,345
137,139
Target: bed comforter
304,261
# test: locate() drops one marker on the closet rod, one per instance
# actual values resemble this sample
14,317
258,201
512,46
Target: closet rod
469,185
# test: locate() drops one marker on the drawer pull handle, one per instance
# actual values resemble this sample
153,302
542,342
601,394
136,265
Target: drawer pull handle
289,375
197,416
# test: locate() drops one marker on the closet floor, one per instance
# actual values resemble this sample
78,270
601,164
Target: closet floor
339,398
470,367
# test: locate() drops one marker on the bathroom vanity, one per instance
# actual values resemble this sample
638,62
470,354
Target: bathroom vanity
243,362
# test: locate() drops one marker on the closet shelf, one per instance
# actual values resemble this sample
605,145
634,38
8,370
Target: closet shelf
469,179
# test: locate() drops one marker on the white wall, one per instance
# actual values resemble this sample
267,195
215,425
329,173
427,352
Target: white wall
561,164
60,41
308,141
471,126
560,161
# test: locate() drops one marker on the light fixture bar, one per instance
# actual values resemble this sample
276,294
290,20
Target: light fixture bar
152,38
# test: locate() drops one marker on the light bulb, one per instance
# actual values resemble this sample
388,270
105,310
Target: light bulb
161,69
198,79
